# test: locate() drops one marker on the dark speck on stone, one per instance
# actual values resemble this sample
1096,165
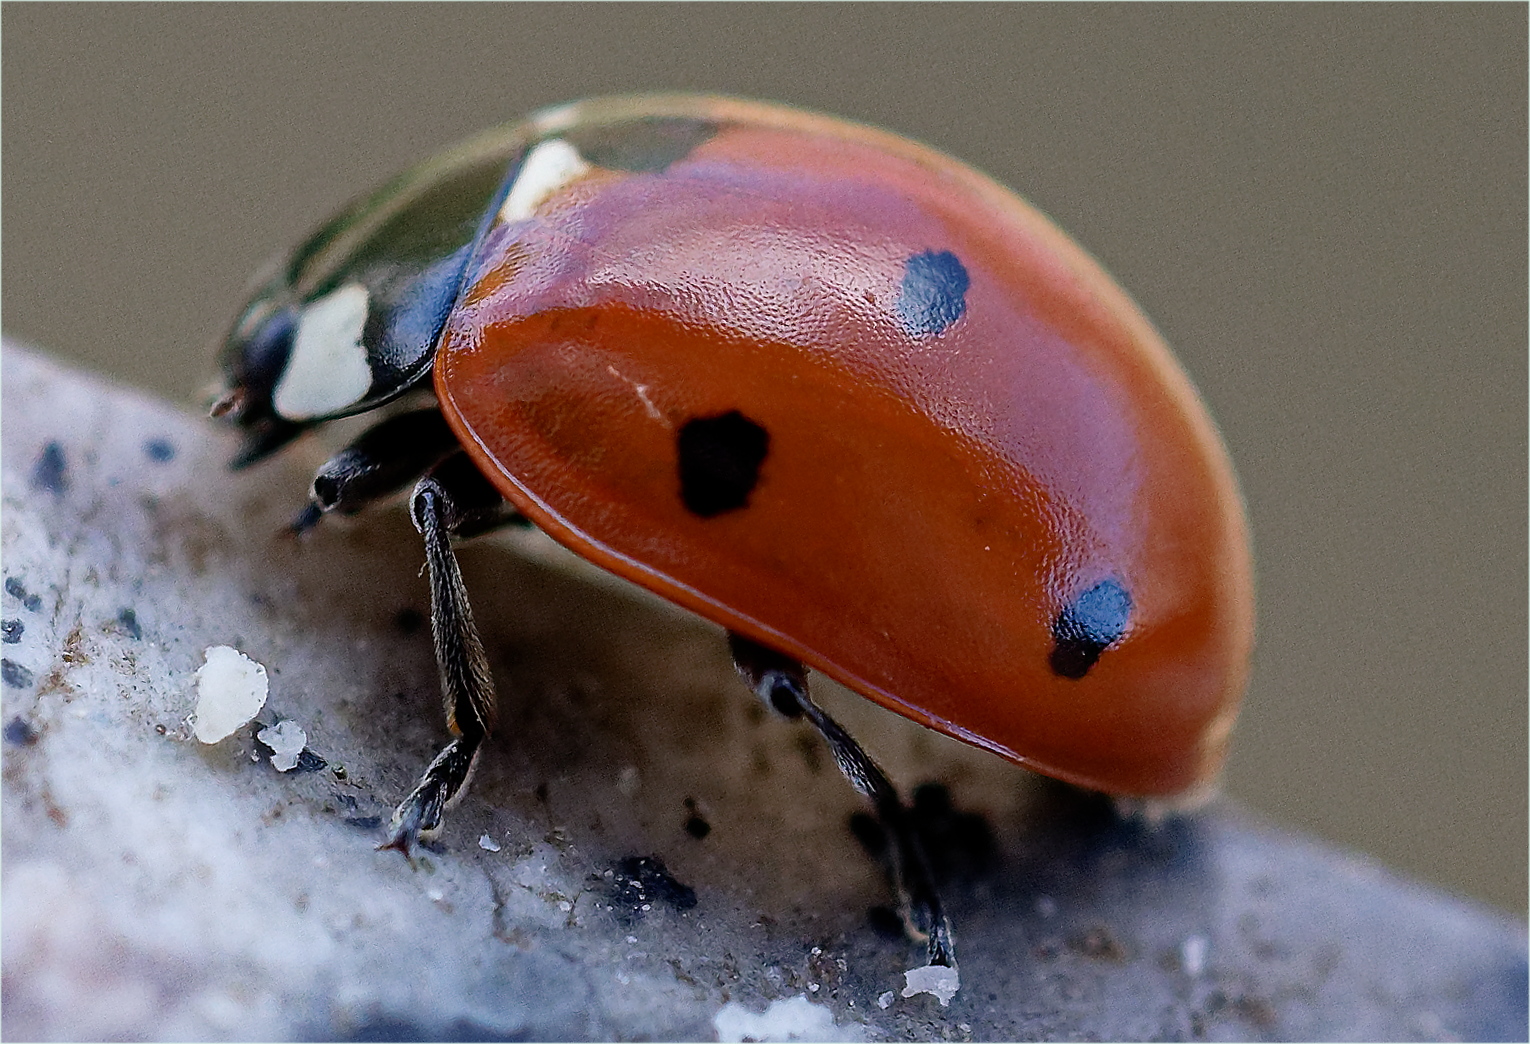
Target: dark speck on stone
128,620
14,674
10,631
159,450
19,732
409,620
643,881
49,472
308,761
697,827
16,589
934,293
363,822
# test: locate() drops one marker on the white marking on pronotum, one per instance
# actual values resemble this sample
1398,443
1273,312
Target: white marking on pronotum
327,370
550,166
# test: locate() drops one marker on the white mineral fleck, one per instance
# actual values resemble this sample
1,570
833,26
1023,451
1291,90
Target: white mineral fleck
885,1000
934,979
794,1019
231,689
1192,955
488,844
286,739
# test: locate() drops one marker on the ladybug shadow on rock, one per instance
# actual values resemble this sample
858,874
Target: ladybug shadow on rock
624,728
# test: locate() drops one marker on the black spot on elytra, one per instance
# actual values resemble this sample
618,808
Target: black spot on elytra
648,145
1087,627
50,471
934,293
642,881
720,460
11,630
14,674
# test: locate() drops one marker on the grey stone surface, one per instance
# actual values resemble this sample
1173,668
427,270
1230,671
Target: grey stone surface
155,887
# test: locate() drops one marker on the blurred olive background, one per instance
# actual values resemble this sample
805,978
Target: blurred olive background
1323,208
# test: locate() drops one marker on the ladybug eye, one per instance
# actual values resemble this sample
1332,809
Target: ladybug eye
1087,627
720,460
934,293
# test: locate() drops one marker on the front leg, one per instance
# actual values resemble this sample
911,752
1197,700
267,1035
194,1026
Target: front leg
452,498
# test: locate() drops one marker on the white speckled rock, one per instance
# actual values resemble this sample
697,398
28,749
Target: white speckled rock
161,888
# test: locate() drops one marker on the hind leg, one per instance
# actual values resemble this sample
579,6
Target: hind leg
782,683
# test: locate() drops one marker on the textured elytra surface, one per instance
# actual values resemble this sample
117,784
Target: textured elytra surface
968,425
155,887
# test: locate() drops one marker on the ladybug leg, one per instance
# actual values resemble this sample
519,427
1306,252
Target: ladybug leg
782,683
451,499
387,457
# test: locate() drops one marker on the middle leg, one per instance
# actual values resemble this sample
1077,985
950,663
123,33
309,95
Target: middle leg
453,498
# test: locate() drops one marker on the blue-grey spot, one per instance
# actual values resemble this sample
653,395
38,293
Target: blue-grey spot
49,471
159,450
16,589
128,621
934,293
20,733
10,631
1088,626
14,674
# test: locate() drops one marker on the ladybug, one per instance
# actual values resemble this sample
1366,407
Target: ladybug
840,394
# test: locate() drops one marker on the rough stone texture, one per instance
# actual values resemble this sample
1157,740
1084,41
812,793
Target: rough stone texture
156,887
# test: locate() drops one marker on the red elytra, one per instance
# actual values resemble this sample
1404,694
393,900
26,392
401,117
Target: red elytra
966,425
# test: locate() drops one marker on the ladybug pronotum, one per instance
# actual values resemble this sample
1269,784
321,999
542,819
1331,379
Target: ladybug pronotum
838,393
